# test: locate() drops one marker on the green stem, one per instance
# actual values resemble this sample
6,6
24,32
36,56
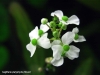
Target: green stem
49,27
60,32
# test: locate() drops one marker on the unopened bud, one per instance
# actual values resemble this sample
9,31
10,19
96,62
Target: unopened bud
44,21
48,60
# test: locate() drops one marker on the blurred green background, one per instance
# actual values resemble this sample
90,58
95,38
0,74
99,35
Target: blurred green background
19,17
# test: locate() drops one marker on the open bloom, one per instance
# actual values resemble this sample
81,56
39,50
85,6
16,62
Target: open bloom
71,20
62,49
42,41
78,38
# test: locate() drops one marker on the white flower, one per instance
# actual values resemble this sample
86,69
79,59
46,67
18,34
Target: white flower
78,38
58,49
42,41
71,20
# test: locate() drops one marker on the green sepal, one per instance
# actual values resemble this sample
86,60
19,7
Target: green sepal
63,53
76,36
34,42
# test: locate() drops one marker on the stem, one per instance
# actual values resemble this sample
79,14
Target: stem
49,27
60,32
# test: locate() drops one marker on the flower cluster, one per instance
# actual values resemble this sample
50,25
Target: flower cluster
60,45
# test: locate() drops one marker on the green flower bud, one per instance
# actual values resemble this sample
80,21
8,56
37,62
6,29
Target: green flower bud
60,24
66,47
55,18
44,21
52,24
55,34
40,32
76,36
34,41
64,27
64,18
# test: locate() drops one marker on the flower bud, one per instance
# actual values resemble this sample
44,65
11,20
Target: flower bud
60,24
44,21
64,27
55,18
64,18
40,32
48,60
76,36
34,41
55,34
52,24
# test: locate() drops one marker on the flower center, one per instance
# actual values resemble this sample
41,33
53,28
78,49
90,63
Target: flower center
40,32
64,18
76,36
34,41
65,49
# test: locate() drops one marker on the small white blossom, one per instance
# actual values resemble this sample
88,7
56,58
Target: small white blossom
80,37
42,41
57,48
71,20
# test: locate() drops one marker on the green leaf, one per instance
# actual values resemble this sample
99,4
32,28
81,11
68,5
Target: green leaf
85,68
4,57
23,27
4,24
38,3
93,4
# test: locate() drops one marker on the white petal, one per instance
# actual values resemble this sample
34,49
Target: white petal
34,33
75,30
44,41
57,50
73,20
57,62
45,28
58,13
67,38
73,52
31,48
80,39
56,42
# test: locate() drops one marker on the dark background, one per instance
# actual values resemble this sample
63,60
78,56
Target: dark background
19,17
